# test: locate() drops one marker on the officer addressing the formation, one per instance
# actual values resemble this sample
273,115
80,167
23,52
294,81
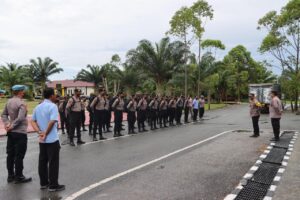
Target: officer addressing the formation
44,122
14,117
276,110
254,113
74,108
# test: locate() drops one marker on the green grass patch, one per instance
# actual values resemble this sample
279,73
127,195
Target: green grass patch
30,105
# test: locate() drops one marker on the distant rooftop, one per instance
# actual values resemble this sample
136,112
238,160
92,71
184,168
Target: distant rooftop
70,83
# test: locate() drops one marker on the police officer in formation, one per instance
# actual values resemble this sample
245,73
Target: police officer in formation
142,113
98,105
153,109
131,116
118,107
74,112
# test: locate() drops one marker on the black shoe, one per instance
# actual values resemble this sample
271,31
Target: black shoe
44,187
63,133
22,179
108,131
254,136
56,188
102,138
145,130
115,135
84,130
95,139
120,135
10,178
122,129
133,132
80,142
72,144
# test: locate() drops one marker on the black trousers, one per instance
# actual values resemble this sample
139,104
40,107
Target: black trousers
16,149
276,127
131,118
195,112
98,122
49,163
163,117
83,119
118,121
178,115
107,119
91,122
63,122
186,114
141,118
153,118
172,112
201,112
255,121
75,123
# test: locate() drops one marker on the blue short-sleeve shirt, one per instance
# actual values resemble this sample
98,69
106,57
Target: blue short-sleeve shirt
43,114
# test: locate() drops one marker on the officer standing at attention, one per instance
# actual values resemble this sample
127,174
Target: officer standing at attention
164,112
44,122
275,114
63,119
195,108
141,115
98,105
254,113
131,117
14,117
172,110
118,107
201,106
107,115
91,113
153,106
179,108
74,112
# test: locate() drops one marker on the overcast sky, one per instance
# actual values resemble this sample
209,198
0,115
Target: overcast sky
80,32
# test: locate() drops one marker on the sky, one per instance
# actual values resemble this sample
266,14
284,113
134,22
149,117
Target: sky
75,33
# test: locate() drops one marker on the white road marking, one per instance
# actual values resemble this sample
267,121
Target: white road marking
277,178
281,170
86,189
273,188
230,197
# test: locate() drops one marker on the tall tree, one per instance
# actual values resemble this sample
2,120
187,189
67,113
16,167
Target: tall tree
94,74
13,74
158,61
181,26
42,69
283,41
202,12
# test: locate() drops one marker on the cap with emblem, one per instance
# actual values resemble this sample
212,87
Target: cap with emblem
19,87
2,91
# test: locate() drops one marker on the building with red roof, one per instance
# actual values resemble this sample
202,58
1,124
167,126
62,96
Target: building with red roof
67,87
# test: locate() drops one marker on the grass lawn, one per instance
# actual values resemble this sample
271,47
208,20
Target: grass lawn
215,106
30,104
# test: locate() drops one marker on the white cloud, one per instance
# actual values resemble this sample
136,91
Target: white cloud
76,33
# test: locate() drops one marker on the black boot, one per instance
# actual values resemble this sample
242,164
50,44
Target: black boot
101,137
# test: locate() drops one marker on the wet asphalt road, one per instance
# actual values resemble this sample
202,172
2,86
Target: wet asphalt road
210,170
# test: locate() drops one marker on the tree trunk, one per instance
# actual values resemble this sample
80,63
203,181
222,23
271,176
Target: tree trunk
209,99
159,88
199,73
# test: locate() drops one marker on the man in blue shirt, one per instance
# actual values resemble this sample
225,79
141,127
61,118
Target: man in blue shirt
195,108
44,121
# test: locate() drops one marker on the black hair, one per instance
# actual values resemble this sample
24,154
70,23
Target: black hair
275,93
48,92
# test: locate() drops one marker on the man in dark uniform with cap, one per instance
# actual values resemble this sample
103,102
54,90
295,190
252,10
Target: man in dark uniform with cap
14,117
179,108
153,106
131,116
74,112
141,115
118,107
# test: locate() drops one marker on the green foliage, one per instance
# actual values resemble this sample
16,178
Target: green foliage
283,43
158,61
41,69
93,74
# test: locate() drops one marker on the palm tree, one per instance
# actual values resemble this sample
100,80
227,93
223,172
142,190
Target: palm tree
42,69
94,74
13,74
159,61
